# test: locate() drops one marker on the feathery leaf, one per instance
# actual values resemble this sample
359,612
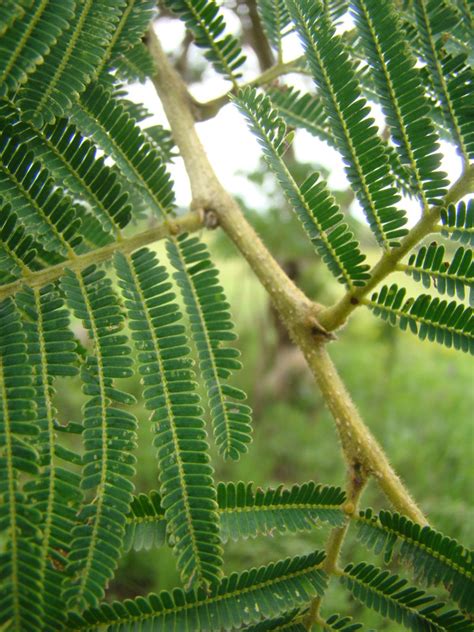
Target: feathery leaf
429,266
451,77
71,63
244,512
101,116
402,96
394,599
206,23
355,133
109,438
56,492
435,558
211,327
457,222
238,599
316,209
20,577
188,493
39,204
29,39
450,324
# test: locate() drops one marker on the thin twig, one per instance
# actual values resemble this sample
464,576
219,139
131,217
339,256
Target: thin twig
174,226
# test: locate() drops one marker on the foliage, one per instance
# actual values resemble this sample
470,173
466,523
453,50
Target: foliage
79,170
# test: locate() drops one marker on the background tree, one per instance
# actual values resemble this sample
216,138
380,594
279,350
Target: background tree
85,297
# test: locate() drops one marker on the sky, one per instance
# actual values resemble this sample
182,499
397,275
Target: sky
232,149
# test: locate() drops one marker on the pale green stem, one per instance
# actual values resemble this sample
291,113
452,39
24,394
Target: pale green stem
188,223
297,312
336,315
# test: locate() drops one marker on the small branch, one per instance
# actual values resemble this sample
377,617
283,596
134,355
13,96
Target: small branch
357,480
298,313
333,317
174,226
209,109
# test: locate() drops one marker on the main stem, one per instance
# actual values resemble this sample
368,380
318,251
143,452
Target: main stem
298,313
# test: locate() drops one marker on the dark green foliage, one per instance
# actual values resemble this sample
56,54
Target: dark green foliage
246,512
450,75
355,133
135,64
430,267
109,438
42,208
146,523
211,328
435,558
72,159
402,96
458,222
66,70
17,251
204,20
20,577
84,182
188,493
104,118
275,19
56,493
29,37
316,209
393,598
236,600
450,324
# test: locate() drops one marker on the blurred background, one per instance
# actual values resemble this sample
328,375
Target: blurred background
415,397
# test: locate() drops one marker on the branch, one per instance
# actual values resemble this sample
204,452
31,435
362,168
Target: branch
173,226
333,317
297,312
209,109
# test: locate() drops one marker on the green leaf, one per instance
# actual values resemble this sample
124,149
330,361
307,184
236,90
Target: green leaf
428,265
314,206
72,160
20,576
393,598
104,118
451,76
354,131
211,327
244,512
38,202
206,23
56,492
344,624
135,64
306,111
186,476
275,19
402,96
146,523
30,35
450,324
71,64
457,222
237,600
109,438
434,557
17,252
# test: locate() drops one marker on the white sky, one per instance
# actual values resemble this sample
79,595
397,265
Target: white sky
233,150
